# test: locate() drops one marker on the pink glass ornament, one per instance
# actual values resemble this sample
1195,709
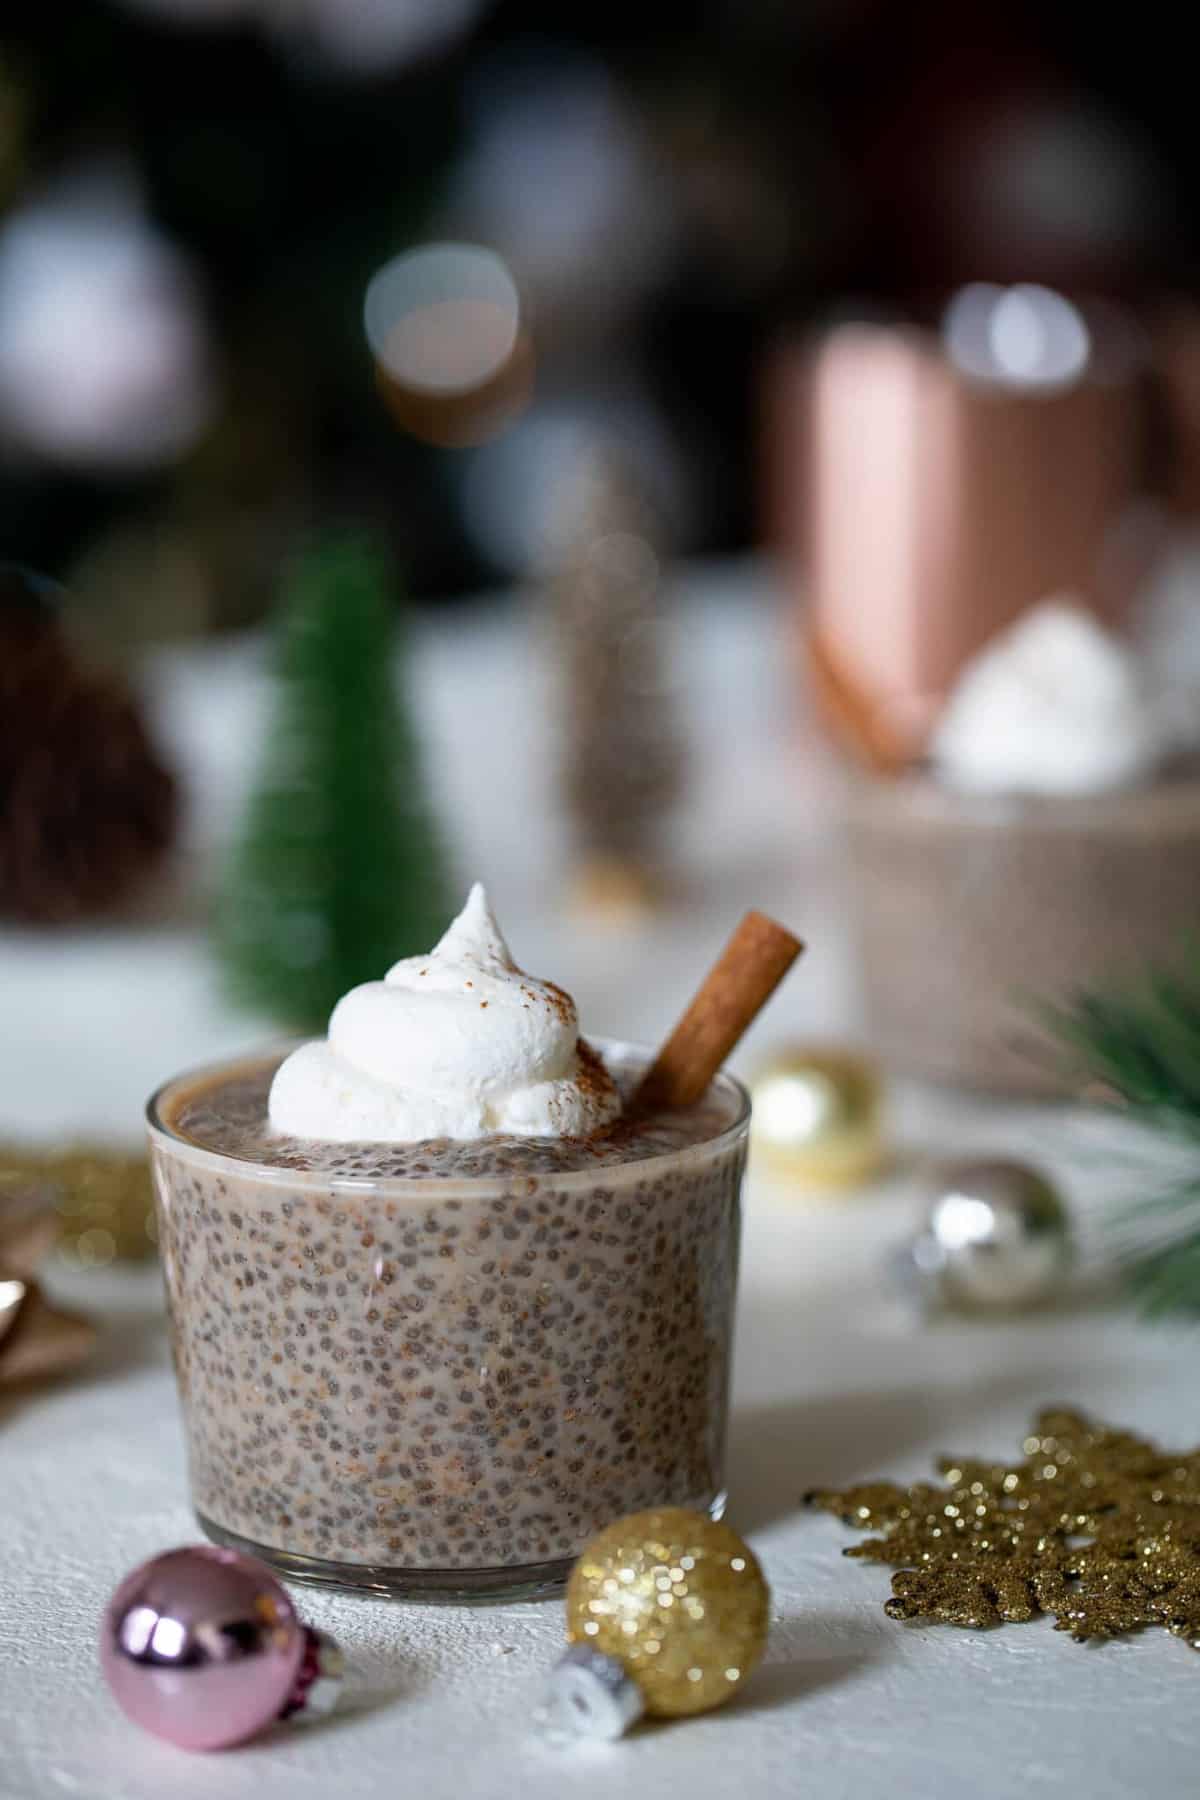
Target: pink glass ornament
202,1647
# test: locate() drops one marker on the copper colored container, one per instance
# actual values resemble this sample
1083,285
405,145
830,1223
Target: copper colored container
936,508
928,489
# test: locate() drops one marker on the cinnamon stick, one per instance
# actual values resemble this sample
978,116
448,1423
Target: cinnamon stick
737,987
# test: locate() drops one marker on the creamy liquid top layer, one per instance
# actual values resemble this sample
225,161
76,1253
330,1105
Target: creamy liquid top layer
227,1113
459,1043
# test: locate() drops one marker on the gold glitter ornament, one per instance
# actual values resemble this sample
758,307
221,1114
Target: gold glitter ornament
678,1600
1094,1525
818,1116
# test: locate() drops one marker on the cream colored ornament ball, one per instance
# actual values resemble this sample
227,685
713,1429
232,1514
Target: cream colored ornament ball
678,1600
818,1115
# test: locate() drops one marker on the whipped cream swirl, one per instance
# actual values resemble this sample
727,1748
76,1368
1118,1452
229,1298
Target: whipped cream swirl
457,1044
1054,705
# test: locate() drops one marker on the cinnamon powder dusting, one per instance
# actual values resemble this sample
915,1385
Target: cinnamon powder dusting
594,1079
562,1002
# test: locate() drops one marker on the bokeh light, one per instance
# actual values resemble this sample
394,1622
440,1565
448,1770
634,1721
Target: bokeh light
1024,336
560,179
362,36
104,352
444,324
356,37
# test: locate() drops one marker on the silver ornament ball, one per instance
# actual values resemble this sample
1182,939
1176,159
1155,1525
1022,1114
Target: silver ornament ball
996,1238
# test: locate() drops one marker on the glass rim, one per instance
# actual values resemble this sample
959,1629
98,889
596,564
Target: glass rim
430,1186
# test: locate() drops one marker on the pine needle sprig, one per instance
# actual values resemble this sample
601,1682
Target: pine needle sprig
1140,1048
1167,1280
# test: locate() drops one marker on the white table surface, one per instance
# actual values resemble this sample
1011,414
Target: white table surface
834,1379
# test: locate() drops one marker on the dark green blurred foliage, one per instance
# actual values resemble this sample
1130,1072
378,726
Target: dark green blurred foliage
1139,1049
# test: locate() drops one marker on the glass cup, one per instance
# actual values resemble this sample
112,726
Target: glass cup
443,1387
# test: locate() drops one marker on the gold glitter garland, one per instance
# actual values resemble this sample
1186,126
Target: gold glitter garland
37,1338
1096,1526
103,1199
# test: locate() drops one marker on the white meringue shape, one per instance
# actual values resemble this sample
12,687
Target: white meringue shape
459,1043
1055,705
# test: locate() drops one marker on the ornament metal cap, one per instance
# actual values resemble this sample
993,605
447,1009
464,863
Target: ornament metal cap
319,1681
590,1695
914,1270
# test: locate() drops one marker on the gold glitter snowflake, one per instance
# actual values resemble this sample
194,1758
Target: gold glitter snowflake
1096,1526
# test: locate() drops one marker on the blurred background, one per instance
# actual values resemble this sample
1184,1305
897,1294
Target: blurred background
198,192
737,454
705,399
660,462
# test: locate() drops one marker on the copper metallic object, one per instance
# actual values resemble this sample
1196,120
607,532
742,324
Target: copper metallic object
926,509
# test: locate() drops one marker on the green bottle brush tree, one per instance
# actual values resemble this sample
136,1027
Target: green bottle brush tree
338,870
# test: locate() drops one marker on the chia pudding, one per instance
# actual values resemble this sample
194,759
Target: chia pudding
440,1366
